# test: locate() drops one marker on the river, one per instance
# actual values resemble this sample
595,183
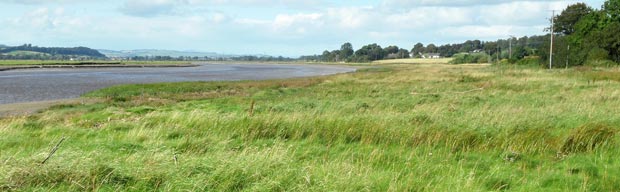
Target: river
27,85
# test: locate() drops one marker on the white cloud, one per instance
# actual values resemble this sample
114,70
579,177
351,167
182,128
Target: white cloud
298,4
46,19
453,3
149,8
352,17
297,22
429,17
44,1
289,27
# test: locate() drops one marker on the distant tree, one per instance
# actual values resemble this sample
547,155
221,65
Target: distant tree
403,53
325,56
417,49
466,47
431,48
391,49
477,44
335,56
346,51
490,48
369,52
565,22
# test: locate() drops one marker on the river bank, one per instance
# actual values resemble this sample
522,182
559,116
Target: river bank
72,66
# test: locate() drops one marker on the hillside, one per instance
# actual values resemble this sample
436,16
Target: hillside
158,52
23,53
30,50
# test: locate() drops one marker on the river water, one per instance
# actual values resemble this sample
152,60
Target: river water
29,85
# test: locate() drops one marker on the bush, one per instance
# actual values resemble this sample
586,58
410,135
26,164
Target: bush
601,63
598,54
462,58
529,61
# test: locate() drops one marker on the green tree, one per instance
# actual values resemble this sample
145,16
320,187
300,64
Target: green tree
325,56
609,39
612,10
417,49
565,22
403,53
346,51
370,52
431,48
391,49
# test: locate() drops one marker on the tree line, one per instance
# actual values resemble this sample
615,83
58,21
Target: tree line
586,36
582,36
495,50
206,58
51,52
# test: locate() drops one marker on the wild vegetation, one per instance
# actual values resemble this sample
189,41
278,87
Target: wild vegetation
390,127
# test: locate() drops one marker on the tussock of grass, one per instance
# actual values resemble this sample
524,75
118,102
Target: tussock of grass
392,128
588,138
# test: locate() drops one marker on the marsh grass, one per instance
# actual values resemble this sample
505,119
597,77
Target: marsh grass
395,127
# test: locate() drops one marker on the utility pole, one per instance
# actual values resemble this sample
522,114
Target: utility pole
510,47
551,47
567,56
499,51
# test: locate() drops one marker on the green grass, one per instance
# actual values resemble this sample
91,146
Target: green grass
427,127
59,62
413,61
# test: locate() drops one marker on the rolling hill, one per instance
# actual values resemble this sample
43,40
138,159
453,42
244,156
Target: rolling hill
158,52
28,49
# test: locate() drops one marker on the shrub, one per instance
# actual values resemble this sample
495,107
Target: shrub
462,58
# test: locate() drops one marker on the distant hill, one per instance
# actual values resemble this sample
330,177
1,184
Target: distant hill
3,46
28,49
158,52
33,53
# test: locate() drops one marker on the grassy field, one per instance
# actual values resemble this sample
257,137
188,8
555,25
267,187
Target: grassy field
413,61
57,62
426,127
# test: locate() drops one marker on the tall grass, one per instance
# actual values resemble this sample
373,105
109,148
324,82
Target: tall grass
395,128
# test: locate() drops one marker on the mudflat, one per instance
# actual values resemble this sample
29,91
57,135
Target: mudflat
19,109
45,84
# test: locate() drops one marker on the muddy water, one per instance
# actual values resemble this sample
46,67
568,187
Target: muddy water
50,84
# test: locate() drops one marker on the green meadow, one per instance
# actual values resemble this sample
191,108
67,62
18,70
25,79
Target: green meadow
388,127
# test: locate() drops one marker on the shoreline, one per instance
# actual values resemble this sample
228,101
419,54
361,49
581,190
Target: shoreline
68,66
33,106
29,108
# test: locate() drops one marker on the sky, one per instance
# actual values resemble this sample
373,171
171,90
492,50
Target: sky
274,27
